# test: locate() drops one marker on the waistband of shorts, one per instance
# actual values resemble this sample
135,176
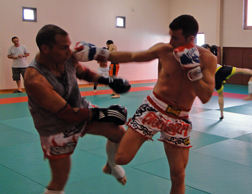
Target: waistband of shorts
166,107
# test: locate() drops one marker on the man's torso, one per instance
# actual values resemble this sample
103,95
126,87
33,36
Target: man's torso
15,51
173,83
46,122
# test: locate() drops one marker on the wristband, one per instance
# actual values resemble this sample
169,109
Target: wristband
67,114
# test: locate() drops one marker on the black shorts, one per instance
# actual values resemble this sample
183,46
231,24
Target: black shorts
16,73
223,73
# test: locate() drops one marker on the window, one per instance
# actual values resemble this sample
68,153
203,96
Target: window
120,22
247,15
200,39
29,14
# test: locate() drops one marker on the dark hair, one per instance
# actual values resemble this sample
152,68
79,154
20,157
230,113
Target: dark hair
13,38
109,42
206,46
187,24
46,35
214,50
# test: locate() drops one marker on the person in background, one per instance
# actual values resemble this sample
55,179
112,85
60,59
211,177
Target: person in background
18,53
222,74
113,67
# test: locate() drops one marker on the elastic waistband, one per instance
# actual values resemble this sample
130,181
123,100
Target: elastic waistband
167,108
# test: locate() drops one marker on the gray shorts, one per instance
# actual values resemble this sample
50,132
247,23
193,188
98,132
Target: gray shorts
16,73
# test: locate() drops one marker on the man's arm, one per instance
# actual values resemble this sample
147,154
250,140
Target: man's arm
142,56
204,87
11,57
118,85
26,52
41,91
86,74
26,55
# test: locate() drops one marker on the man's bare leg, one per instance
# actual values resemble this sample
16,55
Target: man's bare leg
19,85
249,97
177,159
111,167
129,146
114,134
60,169
221,104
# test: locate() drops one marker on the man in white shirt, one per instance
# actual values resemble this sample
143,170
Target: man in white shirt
18,53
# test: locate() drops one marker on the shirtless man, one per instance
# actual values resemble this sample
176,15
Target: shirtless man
59,112
113,67
185,71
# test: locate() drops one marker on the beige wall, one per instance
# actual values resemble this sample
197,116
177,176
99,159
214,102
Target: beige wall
147,23
233,34
205,11
93,21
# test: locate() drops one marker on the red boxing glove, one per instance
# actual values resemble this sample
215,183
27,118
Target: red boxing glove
188,56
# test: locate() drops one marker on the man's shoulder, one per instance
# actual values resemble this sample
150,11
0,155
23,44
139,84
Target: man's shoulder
112,47
11,47
21,45
166,47
205,53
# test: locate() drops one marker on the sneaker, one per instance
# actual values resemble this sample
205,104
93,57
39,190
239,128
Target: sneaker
17,91
116,96
95,91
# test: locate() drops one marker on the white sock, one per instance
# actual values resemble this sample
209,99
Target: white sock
250,87
111,148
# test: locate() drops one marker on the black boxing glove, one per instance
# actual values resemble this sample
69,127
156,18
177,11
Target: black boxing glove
115,113
118,85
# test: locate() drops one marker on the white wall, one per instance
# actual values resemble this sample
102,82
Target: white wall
206,12
92,21
233,33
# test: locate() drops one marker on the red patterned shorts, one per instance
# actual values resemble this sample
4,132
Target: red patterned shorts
155,115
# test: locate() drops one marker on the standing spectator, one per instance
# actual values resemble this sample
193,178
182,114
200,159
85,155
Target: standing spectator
18,53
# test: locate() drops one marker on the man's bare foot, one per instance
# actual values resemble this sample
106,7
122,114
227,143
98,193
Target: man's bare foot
247,98
116,173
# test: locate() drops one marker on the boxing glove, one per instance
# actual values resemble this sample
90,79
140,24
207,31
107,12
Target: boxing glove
188,56
116,84
84,51
115,113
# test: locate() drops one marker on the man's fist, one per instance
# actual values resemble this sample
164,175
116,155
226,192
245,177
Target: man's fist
188,56
84,51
